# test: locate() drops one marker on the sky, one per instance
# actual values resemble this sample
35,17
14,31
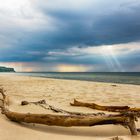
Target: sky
70,35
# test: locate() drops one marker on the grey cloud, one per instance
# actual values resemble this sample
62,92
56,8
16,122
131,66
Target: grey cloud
61,25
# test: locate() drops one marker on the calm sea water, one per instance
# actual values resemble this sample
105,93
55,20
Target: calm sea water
113,77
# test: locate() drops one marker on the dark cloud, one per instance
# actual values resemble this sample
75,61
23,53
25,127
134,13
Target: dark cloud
60,25
91,27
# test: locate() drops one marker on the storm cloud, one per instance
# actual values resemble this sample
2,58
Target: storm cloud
59,32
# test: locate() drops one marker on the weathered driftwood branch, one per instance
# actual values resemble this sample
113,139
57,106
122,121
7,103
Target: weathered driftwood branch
47,106
64,120
67,120
105,108
132,125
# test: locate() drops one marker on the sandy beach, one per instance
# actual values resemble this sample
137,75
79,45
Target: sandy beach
60,93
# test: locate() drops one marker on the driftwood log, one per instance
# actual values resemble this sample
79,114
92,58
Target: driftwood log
43,104
105,108
68,119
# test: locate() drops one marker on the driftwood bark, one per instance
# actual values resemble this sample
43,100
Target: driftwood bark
105,108
67,120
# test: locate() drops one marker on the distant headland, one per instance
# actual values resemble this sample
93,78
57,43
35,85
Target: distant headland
6,69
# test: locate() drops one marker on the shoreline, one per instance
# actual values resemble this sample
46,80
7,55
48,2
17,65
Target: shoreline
125,82
60,93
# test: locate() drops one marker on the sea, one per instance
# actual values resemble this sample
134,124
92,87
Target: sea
110,77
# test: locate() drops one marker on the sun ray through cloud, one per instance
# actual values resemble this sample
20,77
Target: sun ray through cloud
110,57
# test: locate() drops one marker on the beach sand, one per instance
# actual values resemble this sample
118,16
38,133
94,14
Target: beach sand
60,93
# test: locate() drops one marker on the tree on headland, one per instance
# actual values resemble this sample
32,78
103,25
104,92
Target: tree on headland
5,69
